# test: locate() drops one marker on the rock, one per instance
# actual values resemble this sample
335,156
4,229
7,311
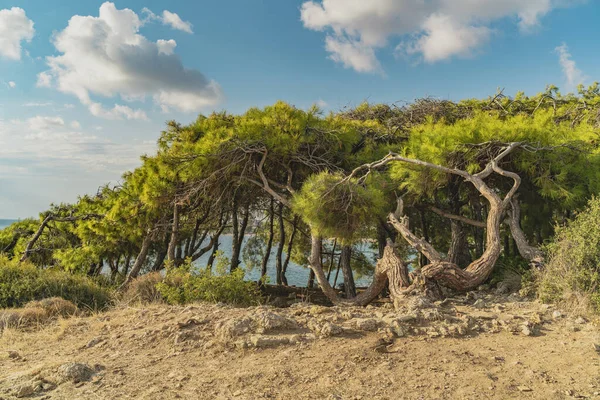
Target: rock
261,341
325,329
235,327
24,390
479,304
76,372
366,324
399,329
503,288
524,389
93,342
529,329
13,355
267,321
556,314
580,321
407,318
420,302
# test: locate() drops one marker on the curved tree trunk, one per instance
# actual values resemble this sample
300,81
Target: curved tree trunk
528,252
140,260
389,267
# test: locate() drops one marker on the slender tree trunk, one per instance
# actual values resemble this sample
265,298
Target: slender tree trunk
349,286
265,260
279,260
174,234
35,237
238,237
288,252
332,259
140,259
311,279
213,255
337,272
422,258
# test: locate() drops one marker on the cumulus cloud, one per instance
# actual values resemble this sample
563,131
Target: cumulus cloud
44,79
168,18
15,28
573,75
106,56
12,84
432,30
40,123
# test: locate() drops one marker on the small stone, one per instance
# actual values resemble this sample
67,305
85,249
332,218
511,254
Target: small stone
580,321
479,304
483,288
525,330
93,342
13,355
24,390
557,314
366,324
524,389
76,372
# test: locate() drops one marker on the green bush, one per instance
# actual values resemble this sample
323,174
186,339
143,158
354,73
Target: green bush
182,285
572,273
21,283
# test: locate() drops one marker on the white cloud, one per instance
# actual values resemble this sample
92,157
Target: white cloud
12,84
573,75
44,79
166,47
322,103
432,30
36,104
39,123
106,56
15,28
55,146
168,18
175,22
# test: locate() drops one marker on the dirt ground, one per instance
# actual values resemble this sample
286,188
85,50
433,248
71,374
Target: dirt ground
480,346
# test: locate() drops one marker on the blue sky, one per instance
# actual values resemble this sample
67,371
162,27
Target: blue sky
82,97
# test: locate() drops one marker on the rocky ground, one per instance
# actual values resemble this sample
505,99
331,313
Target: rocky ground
478,346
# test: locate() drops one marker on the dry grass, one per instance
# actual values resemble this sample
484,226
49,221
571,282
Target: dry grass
36,313
143,290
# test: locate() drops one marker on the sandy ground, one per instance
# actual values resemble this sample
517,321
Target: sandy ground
506,349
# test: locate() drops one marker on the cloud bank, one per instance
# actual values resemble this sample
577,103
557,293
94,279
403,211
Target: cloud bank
432,31
106,56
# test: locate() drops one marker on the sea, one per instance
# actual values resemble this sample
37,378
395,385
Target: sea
297,275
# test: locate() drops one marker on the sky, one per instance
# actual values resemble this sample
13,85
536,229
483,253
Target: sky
87,86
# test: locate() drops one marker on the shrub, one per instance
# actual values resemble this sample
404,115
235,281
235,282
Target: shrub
36,312
572,273
182,285
144,289
21,283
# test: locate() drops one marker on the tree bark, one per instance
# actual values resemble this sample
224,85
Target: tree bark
140,259
528,252
265,260
278,259
238,236
174,234
389,267
349,286
288,252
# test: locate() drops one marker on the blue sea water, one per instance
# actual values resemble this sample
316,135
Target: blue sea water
6,222
297,275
